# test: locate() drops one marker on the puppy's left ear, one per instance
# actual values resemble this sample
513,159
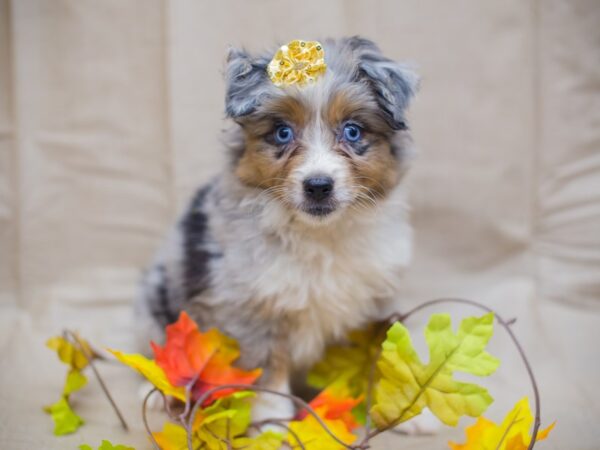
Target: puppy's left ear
247,83
393,84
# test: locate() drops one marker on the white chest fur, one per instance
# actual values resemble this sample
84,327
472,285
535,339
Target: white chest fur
320,281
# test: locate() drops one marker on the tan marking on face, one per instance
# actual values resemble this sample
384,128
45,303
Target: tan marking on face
341,107
377,170
261,165
317,149
354,103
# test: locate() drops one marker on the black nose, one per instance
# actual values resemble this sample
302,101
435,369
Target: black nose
318,188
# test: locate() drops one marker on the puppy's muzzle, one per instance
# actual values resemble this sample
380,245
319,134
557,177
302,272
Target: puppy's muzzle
318,192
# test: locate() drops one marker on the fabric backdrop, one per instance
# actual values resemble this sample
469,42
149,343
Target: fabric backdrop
110,115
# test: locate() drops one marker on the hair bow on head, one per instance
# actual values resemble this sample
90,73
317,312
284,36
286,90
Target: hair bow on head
298,62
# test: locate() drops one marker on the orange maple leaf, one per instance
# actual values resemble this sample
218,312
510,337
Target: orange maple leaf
512,434
335,403
202,360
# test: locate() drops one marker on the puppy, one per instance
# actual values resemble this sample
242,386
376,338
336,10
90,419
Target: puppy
304,235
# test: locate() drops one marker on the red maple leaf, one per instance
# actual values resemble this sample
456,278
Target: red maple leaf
202,360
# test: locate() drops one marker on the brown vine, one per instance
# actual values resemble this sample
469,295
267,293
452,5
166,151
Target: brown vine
369,434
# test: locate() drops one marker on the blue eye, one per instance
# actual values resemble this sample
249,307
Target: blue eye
352,133
284,134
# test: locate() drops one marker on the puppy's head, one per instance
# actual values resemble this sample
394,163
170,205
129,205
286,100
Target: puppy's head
322,149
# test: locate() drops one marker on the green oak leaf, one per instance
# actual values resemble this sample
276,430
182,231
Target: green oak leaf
407,385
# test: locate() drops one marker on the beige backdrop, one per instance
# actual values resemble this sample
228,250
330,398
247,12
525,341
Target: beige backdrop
110,113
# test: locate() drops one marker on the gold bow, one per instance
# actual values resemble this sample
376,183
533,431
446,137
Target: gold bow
298,62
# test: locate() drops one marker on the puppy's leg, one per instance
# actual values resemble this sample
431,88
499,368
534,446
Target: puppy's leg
275,377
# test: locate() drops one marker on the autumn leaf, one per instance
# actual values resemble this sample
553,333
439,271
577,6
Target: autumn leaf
174,437
69,353
65,419
106,445
407,385
204,359
226,419
151,371
314,436
512,434
75,381
350,363
336,403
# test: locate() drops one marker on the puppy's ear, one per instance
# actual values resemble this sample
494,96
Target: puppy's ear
247,83
393,84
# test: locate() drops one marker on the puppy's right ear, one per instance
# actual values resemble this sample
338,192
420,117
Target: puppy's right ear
393,84
247,83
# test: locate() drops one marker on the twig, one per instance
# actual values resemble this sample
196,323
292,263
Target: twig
293,398
507,327
90,359
228,434
364,444
145,419
371,381
188,397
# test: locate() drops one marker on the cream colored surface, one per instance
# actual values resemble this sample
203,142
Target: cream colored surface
110,114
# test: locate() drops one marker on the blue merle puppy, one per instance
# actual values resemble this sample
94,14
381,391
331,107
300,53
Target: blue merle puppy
304,234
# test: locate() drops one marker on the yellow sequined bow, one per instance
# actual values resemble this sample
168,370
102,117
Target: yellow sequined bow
298,62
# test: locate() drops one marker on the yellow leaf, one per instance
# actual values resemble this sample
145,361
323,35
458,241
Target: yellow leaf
314,437
407,385
227,418
349,364
174,437
153,373
512,434
68,353
75,381
269,440
65,420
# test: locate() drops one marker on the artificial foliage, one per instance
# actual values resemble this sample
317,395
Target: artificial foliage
512,434
367,385
106,445
76,354
407,385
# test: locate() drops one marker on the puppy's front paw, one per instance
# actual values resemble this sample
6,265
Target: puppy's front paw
267,407
423,424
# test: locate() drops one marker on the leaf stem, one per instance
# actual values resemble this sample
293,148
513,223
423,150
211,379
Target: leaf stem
90,359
